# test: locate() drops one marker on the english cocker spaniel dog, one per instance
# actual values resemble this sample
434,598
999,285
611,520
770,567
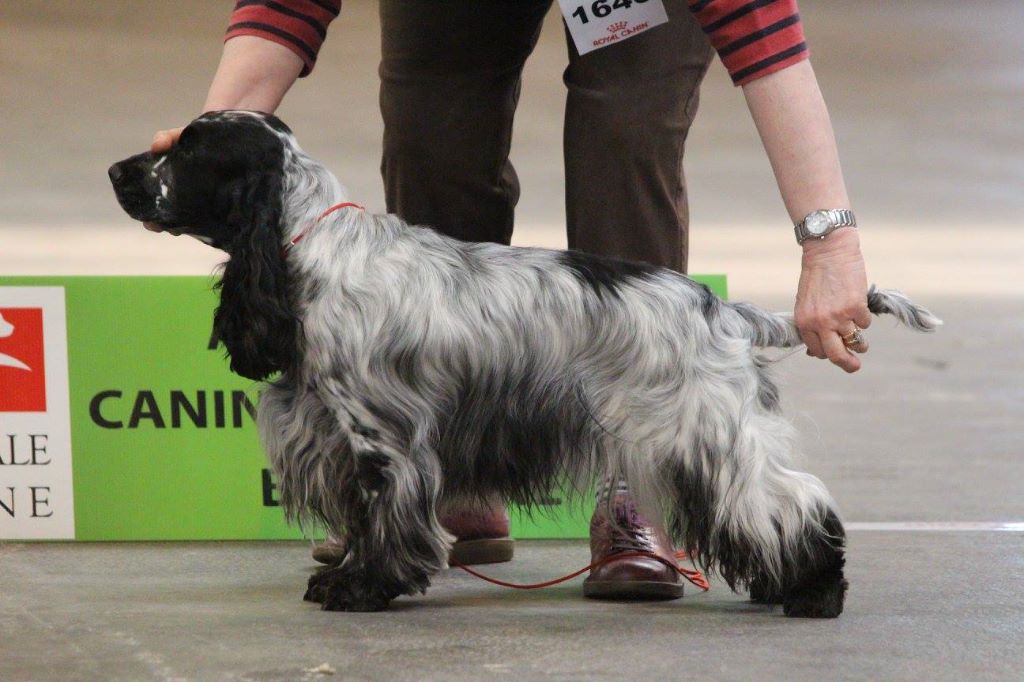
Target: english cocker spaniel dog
407,370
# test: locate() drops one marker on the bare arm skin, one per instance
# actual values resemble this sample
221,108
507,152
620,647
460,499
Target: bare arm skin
791,117
253,74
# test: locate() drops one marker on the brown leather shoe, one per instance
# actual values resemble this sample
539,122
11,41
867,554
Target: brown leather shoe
330,551
481,537
481,534
630,577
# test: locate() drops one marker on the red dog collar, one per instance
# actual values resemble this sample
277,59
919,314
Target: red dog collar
302,235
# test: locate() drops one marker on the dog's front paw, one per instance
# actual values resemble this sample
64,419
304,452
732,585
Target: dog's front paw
762,591
316,588
817,600
315,593
340,590
343,599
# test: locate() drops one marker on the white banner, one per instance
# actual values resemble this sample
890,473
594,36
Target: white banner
36,496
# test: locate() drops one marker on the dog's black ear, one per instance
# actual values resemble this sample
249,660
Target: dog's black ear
255,319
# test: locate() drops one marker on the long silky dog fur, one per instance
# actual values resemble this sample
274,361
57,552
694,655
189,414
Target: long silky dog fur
414,370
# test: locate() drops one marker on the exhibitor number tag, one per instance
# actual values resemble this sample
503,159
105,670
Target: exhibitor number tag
594,24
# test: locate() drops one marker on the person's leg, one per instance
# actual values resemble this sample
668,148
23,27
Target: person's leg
628,112
450,80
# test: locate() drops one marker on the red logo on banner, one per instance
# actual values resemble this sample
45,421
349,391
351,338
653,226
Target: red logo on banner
22,366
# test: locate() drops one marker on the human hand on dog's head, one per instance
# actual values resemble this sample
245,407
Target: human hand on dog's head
163,140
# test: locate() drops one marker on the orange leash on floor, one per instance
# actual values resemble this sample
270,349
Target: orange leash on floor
693,575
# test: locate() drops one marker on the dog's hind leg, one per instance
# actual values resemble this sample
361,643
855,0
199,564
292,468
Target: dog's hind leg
763,524
813,584
395,542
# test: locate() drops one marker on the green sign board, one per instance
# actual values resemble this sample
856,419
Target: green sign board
163,445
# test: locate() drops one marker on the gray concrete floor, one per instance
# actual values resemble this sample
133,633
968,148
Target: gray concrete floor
921,607
925,98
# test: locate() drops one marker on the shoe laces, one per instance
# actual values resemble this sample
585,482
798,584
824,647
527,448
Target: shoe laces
630,532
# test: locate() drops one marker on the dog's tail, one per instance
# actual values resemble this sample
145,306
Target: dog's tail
778,330
892,302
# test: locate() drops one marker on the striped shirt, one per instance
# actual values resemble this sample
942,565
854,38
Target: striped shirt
299,25
753,37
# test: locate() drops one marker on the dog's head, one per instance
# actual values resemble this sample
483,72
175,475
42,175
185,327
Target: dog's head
224,183
225,166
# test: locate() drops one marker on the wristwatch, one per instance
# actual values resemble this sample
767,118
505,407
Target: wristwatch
821,223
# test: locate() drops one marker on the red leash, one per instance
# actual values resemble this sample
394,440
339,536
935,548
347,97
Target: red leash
302,235
693,575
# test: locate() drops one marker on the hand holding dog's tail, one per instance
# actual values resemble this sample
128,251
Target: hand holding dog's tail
778,330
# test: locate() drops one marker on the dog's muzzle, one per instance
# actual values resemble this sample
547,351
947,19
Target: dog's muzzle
136,186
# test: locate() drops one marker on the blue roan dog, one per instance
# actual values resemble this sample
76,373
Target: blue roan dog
417,370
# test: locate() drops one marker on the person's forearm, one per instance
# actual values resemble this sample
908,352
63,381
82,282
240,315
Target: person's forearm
791,117
253,74
831,299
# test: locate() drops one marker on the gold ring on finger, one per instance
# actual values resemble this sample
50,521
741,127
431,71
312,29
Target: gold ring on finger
854,338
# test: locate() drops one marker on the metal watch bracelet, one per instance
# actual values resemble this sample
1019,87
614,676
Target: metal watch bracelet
819,224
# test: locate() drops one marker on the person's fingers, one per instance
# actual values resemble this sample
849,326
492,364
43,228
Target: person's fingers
813,343
861,347
854,339
837,352
163,140
861,317
808,323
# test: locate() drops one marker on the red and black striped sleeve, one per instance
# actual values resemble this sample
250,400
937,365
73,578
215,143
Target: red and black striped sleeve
753,37
299,25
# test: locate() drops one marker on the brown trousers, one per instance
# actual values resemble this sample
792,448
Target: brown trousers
450,82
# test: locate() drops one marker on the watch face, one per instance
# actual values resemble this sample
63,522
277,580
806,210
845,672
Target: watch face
817,223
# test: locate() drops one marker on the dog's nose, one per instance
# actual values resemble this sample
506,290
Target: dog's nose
115,172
